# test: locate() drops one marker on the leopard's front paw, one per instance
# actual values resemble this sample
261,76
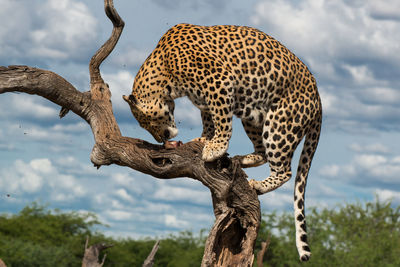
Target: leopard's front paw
213,151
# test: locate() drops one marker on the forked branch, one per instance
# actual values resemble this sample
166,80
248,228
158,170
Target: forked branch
108,46
236,205
92,254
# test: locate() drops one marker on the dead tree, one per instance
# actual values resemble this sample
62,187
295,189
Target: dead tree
236,205
149,261
261,253
92,254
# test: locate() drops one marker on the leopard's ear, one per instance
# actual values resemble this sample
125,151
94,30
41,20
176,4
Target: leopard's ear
131,99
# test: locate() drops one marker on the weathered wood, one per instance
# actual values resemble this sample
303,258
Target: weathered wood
261,253
150,259
92,254
108,46
236,205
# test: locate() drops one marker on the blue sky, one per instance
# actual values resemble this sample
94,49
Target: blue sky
352,48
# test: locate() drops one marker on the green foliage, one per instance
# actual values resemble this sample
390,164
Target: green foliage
351,235
181,250
38,237
176,250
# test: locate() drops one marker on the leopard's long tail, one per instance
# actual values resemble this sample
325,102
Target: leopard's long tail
307,154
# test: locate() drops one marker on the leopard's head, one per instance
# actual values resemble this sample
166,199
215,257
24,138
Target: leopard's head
156,115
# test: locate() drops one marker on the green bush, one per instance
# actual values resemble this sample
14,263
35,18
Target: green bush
350,235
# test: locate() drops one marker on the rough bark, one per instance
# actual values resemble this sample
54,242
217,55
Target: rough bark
150,259
261,253
236,205
92,254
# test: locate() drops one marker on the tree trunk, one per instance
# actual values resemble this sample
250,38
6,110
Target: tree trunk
92,254
236,205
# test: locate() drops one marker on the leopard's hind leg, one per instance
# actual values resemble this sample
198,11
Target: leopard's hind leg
258,157
280,139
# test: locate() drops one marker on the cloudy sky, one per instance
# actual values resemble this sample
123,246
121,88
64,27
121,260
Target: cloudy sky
352,48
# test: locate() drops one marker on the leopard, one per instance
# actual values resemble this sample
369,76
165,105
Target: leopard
228,70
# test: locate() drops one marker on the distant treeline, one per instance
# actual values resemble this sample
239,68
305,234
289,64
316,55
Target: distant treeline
350,235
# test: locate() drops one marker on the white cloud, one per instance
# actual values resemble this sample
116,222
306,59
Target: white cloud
28,181
119,215
54,139
186,113
154,211
67,162
38,176
370,148
367,161
72,128
185,195
38,133
42,166
329,102
106,202
135,182
396,160
277,199
210,5
120,84
27,106
124,195
17,25
382,95
51,29
7,147
155,207
330,170
131,57
123,179
383,168
359,110
331,28
385,195
68,27
172,221
354,56
385,10
21,178
361,74
370,165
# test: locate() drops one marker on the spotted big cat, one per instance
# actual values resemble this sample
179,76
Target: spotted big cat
241,71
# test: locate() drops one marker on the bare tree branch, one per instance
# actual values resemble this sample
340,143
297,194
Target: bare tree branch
92,253
108,46
150,259
236,205
261,253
